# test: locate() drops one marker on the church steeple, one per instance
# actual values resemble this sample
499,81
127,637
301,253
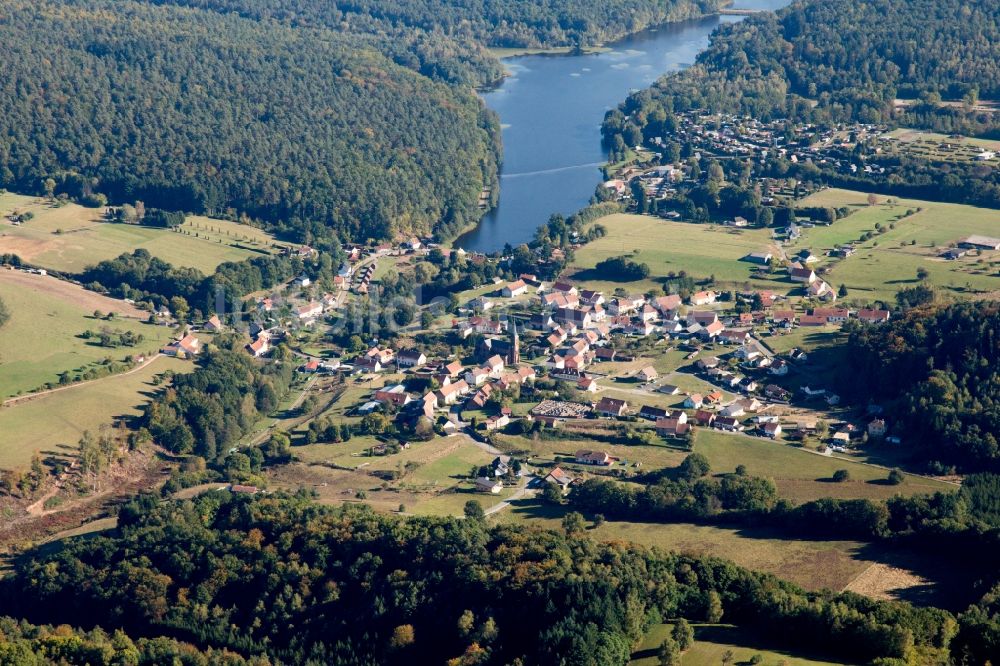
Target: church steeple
515,343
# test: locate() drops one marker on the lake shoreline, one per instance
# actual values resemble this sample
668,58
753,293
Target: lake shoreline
551,103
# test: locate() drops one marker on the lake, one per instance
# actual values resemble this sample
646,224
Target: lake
551,109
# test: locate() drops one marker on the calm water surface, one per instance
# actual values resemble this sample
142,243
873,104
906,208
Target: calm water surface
551,108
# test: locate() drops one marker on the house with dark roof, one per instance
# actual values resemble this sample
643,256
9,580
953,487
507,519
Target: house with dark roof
612,407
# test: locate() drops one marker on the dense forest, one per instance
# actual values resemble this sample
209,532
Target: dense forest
495,23
354,118
837,61
285,578
935,373
205,112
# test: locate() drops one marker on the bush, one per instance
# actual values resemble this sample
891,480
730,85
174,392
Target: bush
622,269
895,477
841,475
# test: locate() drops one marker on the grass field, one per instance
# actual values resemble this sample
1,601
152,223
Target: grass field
53,424
874,570
700,249
813,564
801,475
713,641
433,475
47,315
71,237
888,262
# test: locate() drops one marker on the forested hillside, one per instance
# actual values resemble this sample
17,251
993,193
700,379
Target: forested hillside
316,117
841,60
305,584
935,371
200,111
503,23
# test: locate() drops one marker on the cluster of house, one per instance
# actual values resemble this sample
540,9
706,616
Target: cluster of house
188,345
789,318
746,137
975,242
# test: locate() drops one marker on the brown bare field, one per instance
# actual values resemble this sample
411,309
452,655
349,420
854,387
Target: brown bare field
884,581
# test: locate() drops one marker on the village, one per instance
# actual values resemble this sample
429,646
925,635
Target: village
527,356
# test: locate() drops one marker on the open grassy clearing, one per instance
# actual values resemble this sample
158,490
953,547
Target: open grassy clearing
433,475
888,262
814,564
806,337
800,475
41,339
666,246
53,423
70,238
713,641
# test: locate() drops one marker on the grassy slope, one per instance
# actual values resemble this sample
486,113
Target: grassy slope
84,240
40,339
801,475
878,272
54,423
701,250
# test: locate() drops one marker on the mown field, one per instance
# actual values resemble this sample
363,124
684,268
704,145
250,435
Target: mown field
432,477
70,238
714,641
52,424
47,316
801,475
702,250
889,261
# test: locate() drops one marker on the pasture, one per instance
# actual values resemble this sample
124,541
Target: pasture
813,564
53,423
702,250
801,475
715,640
889,261
47,316
69,238
429,478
